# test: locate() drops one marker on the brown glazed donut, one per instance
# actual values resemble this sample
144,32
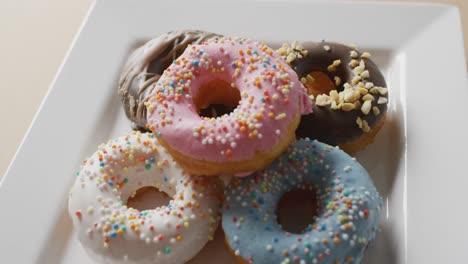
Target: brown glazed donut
146,64
349,91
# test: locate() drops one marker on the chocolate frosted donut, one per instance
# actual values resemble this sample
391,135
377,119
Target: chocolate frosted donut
146,64
348,90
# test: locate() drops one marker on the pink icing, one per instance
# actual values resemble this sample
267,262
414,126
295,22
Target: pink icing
271,97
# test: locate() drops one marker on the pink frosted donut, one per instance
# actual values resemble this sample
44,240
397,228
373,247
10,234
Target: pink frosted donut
266,94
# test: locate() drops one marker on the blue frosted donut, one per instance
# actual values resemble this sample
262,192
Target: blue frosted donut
340,233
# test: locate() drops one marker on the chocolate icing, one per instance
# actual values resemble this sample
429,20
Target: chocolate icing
325,124
145,66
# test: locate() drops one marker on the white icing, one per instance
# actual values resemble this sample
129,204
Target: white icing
97,213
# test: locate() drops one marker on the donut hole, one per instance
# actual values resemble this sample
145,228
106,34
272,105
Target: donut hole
216,98
320,83
148,198
297,210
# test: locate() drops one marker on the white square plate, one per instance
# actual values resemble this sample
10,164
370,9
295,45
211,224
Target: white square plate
418,161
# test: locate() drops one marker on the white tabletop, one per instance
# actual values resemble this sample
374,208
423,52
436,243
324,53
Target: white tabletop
35,37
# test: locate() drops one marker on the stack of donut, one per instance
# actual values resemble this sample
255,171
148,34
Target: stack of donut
206,105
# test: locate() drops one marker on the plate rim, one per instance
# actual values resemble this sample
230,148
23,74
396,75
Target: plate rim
445,10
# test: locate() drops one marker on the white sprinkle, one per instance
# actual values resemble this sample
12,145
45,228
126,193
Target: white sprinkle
326,48
294,248
269,247
347,168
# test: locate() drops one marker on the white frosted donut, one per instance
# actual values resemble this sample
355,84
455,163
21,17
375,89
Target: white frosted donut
114,233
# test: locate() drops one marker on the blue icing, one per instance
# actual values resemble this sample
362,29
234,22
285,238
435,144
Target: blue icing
339,235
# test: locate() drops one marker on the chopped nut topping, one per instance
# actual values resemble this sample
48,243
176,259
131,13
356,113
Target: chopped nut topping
362,91
356,79
337,80
368,97
358,70
365,55
376,110
351,95
358,94
357,104
359,122
341,96
353,63
290,53
374,90
347,107
366,107
382,90
335,106
333,66
291,57
323,100
362,63
365,74
365,126
335,96
382,100
369,85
